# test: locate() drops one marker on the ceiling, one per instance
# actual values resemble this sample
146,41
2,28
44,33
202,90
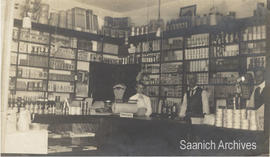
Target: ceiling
122,5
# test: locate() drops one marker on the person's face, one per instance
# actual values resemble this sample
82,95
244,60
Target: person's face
259,76
139,88
192,80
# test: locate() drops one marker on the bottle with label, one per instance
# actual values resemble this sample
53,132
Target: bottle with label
36,108
31,107
46,107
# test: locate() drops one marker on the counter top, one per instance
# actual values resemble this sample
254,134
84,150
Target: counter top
154,136
54,119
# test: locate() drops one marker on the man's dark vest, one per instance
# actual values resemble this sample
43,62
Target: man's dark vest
194,103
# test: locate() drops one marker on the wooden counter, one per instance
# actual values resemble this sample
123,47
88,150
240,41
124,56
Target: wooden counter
152,136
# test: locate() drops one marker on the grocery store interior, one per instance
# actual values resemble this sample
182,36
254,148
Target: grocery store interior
144,77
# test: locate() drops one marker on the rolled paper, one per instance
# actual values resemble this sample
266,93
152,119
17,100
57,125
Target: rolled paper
124,108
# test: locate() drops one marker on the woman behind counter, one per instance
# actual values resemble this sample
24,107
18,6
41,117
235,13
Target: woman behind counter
143,101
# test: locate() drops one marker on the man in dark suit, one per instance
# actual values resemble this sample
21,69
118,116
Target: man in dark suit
259,94
195,102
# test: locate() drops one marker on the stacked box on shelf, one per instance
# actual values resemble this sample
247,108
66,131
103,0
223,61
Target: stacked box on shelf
85,45
151,80
120,22
172,67
54,19
224,78
43,13
37,61
82,20
34,36
35,49
84,66
130,59
61,64
95,24
198,40
149,46
33,96
199,65
138,48
225,51
81,90
12,83
111,59
150,68
15,33
151,58
95,57
64,87
12,71
61,52
13,58
14,46
197,53
62,19
256,47
254,33
140,30
83,55
171,78
69,19
223,38
63,96
82,82
59,75
225,64
63,41
110,48
180,23
31,85
202,78
79,18
256,62
173,43
97,46
89,21
36,73
89,45
172,55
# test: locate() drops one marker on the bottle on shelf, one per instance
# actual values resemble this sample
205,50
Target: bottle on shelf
36,108
27,105
45,107
174,111
31,108
164,106
40,107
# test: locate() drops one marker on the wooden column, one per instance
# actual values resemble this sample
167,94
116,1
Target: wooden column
7,9
267,77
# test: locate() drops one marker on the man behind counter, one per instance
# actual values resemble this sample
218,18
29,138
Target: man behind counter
143,101
258,96
195,101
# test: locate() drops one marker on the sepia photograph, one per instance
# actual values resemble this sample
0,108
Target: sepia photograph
135,77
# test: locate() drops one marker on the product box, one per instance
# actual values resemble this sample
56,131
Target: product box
79,18
54,19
